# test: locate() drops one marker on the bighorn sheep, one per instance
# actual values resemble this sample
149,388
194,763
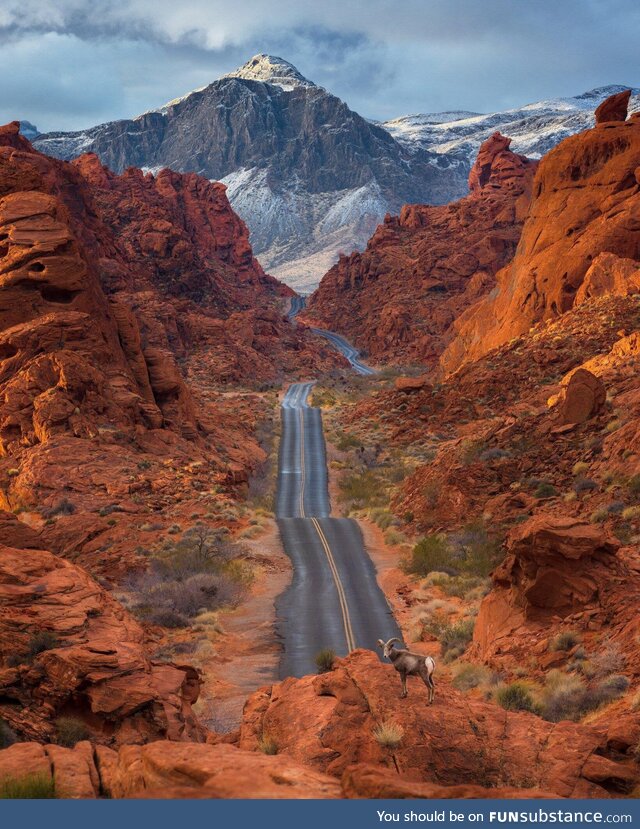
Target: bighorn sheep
410,664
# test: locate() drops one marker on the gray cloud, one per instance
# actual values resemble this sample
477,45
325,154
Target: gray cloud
74,63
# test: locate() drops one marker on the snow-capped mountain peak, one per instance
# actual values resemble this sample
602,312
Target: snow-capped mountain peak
271,69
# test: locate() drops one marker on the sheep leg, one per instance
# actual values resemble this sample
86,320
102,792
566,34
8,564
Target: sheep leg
426,677
403,680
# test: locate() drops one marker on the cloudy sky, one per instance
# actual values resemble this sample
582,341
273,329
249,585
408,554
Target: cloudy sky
68,64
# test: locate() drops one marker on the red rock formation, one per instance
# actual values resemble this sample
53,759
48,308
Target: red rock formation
166,770
609,275
613,108
93,665
327,722
586,202
399,298
582,396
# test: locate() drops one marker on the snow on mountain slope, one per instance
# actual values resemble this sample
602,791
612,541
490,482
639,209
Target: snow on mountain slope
309,176
534,128
273,70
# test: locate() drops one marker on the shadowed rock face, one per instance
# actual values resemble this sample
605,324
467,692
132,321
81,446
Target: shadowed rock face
310,176
398,300
586,202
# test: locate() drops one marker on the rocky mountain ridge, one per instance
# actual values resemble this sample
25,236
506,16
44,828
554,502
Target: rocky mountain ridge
308,175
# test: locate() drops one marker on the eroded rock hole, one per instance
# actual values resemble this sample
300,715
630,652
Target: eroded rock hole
57,295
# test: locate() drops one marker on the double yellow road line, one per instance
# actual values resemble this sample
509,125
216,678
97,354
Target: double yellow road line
346,619
344,607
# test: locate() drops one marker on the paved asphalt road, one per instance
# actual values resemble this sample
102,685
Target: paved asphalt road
352,354
334,600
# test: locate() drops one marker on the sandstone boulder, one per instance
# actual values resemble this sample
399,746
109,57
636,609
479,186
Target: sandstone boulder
614,108
582,396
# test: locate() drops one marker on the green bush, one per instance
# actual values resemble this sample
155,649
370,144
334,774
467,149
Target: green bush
364,488
29,787
453,638
515,697
70,730
324,660
568,697
545,490
430,554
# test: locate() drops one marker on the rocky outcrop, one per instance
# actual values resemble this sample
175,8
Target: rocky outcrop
613,108
68,648
586,201
557,568
398,300
327,722
582,396
165,770
609,275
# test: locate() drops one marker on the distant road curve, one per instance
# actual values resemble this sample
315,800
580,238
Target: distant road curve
339,343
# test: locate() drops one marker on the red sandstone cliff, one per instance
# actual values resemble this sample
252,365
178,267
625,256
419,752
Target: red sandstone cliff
586,203
399,299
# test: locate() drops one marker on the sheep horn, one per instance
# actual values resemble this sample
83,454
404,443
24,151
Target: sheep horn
393,639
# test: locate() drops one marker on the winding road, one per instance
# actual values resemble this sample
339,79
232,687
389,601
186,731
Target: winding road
339,343
334,600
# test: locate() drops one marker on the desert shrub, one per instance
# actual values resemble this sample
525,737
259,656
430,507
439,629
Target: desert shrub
430,553
609,660
615,507
200,571
324,660
382,517
453,638
388,734
631,513
582,484
471,450
516,696
460,586
545,490
393,538
564,641
635,703
466,675
267,745
168,618
63,507
599,515
476,553
568,697
70,730
494,454
580,468
364,488
633,484
28,787
42,640
7,735
346,441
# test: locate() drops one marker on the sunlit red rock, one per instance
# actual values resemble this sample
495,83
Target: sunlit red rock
399,299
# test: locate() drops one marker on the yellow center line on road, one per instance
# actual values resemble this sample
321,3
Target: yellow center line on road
346,619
